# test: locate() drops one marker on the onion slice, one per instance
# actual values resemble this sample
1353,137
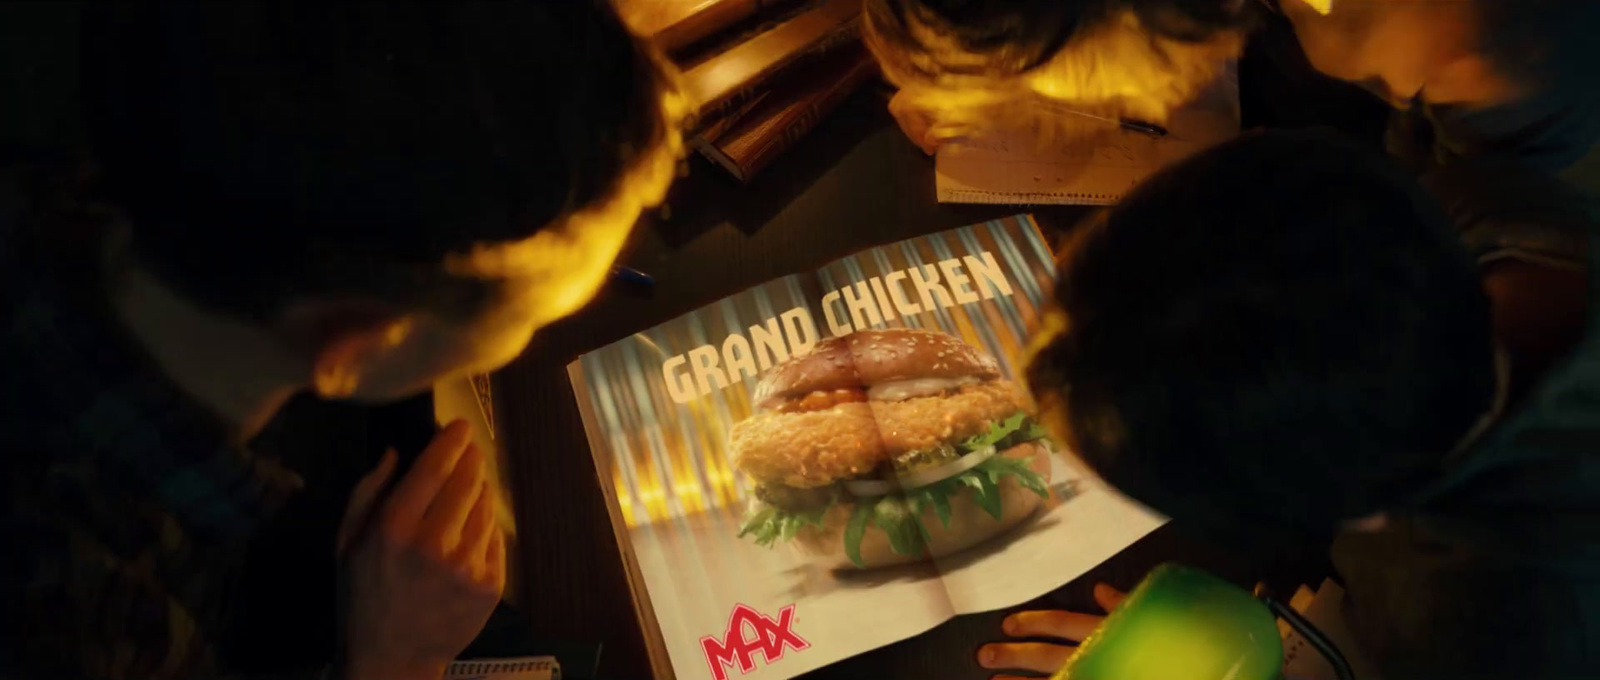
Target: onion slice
866,488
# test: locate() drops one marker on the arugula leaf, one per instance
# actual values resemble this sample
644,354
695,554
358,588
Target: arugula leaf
1000,467
995,434
938,496
985,492
763,526
791,525
855,529
901,517
896,519
770,532
1005,434
753,521
1030,431
772,523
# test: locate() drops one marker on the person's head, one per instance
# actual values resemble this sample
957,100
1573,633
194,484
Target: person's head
1452,51
1278,334
976,64
397,192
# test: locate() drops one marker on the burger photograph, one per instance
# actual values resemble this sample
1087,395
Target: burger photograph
847,454
884,447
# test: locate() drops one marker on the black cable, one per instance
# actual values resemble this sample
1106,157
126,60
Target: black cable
1341,667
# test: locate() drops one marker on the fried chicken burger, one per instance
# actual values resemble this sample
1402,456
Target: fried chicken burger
889,446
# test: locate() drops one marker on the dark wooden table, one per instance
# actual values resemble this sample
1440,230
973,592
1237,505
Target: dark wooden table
855,182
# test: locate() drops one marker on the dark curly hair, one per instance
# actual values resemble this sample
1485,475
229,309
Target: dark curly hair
1282,331
262,151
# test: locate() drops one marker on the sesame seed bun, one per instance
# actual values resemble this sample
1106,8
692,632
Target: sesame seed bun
849,440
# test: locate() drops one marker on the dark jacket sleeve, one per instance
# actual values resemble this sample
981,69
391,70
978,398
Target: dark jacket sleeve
74,608
1421,611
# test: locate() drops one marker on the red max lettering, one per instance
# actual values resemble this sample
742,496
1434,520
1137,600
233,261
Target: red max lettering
781,635
772,636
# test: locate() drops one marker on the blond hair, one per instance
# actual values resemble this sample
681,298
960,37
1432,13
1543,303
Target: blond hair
1112,62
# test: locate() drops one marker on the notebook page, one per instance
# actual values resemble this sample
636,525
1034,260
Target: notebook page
1011,168
516,668
1300,602
1301,661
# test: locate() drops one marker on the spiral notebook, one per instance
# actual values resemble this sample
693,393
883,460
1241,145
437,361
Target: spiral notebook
517,668
1011,168
1301,661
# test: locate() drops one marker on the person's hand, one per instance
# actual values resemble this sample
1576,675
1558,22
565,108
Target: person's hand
916,122
426,566
1045,657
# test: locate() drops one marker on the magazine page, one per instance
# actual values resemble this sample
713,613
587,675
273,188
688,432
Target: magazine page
826,464
982,494
659,408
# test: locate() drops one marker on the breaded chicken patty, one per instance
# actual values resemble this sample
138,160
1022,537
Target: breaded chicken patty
815,448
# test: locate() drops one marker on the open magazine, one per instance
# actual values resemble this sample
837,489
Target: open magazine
831,462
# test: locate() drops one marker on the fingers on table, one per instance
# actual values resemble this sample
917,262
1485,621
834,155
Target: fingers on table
1073,626
416,491
1041,657
1107,597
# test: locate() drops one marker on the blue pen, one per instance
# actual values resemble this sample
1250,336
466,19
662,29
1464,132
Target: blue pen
633,276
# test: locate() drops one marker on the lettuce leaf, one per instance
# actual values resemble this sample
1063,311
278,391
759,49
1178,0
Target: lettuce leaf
899,516
857,528
1010,432
894,517
985,492
771,523
1001,466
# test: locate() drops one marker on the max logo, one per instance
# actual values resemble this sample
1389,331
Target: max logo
771,637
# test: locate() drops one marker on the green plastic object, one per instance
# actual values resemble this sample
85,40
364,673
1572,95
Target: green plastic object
1181,623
